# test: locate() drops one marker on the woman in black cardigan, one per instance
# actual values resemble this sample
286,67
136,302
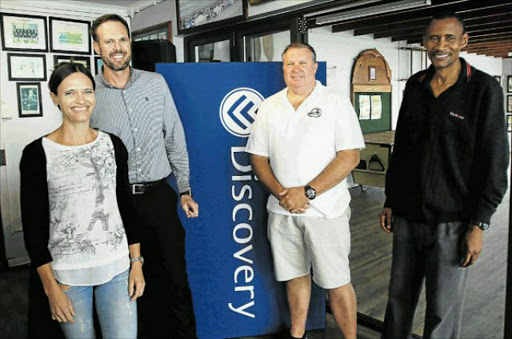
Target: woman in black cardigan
78,219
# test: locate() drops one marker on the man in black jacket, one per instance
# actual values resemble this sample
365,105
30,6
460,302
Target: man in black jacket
446,179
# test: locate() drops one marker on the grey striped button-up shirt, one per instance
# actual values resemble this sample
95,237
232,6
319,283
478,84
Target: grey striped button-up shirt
144,116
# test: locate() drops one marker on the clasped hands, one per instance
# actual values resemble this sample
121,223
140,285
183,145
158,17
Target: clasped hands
294,200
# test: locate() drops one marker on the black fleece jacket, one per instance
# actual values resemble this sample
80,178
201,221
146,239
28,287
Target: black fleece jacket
451,153
35,206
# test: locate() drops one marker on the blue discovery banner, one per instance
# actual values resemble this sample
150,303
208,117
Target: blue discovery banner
228,255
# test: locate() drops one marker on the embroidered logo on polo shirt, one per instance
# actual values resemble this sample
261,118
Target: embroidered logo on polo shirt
458,116
238,110
315,113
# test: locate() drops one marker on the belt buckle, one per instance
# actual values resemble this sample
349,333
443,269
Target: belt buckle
137,188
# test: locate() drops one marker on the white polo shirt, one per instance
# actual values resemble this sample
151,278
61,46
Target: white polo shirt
300,144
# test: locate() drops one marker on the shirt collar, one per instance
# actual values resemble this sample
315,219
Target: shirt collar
464,75
134,76
316,91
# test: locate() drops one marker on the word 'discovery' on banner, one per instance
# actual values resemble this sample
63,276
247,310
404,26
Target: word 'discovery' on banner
229,260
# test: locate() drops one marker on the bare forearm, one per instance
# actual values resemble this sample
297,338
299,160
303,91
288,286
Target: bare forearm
47,278
261,168
134,250
336,171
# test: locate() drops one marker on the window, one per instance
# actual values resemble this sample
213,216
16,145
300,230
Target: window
158,32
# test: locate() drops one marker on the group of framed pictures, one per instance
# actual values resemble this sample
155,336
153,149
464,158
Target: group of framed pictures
29,33
509,103
25,36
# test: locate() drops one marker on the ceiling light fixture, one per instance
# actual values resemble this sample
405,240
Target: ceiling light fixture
373,10
346,4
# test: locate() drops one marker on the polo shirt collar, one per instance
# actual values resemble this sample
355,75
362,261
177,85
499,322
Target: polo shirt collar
464,76
316,92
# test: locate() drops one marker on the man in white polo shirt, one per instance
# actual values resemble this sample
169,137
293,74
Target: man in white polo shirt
304,143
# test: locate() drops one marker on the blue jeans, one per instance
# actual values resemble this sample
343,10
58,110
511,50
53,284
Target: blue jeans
117,315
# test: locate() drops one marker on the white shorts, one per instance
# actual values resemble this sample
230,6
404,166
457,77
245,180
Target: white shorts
299,242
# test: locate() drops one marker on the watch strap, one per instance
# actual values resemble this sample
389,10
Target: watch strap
310,192
480,224
135,259
187,192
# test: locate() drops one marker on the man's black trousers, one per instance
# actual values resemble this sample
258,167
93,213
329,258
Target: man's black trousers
166,308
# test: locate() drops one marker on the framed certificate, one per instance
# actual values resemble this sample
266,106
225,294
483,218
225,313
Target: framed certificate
23,33
29,100
84,60
26,67
70,36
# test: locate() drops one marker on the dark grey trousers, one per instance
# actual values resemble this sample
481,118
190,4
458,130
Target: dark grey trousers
432,253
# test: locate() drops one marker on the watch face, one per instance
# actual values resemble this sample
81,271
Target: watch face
310,193
484,226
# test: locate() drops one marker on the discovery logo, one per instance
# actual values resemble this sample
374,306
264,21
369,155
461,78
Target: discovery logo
238,110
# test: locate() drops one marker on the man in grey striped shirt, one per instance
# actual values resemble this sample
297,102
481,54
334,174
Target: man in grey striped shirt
138,107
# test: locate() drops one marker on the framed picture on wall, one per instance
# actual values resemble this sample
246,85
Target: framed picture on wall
84,60
509,122
198,15
26,67
70,36
23,32
98,63
509,84
29,99
509,103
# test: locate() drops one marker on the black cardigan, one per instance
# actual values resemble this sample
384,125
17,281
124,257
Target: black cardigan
35,210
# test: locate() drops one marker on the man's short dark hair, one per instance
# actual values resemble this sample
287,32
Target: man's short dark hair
447,15
300,45
104,18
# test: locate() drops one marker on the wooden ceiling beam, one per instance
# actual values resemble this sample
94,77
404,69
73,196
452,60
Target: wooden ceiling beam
497,15
461,6
397,17
477,50
416,36
496,55
490,43
470,29
486,51
497,37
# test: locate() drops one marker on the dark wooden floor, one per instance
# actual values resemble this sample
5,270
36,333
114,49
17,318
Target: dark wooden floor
370,264
484,308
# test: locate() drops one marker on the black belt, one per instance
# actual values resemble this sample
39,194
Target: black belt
145,187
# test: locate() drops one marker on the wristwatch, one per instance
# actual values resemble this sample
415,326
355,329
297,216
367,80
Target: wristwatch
141,259
310,192
480,224
187,192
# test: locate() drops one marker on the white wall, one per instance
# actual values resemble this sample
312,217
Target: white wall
507,66
340,51
490,65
